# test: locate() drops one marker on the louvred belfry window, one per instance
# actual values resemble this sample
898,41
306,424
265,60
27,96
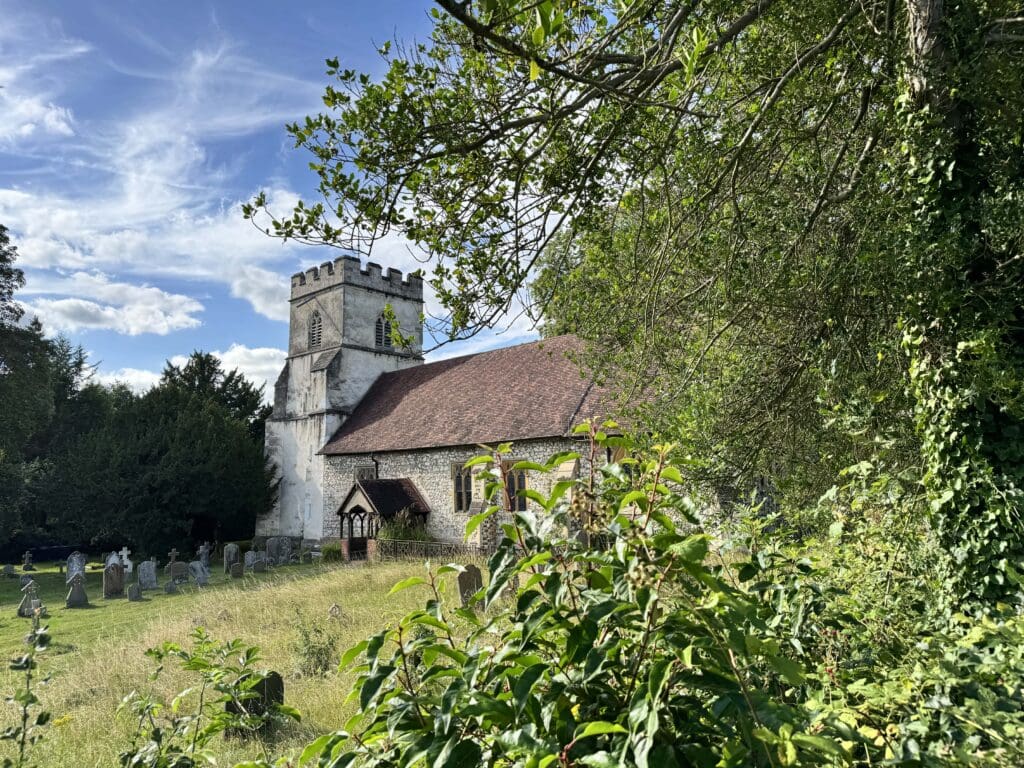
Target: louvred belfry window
316,326
383,336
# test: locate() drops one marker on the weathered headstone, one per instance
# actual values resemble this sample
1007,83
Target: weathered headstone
76,564
199,573
147,574
470,582
77,598
24,580
10,572
307,557
279,550
26,562
26,608
203,556
237,571
113,580
134,593
125,560
232,555
260,565
178,571
112,559
269,691
171,587
249,559
172,556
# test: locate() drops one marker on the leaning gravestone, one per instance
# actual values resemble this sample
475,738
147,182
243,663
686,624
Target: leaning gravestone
76,595
199,573
178,571
147,574
76,564
113,580
237,571
231,556
134,593
24,580
26,608
470,582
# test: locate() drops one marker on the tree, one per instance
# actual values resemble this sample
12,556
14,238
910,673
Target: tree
11,279
837,181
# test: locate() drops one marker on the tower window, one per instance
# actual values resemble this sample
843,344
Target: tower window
383,335
463,481
316,326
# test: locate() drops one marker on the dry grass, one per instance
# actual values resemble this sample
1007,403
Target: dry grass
89,682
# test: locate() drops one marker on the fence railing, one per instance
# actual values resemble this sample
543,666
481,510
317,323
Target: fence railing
391,549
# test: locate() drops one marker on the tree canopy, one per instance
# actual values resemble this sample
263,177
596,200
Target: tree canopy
791,215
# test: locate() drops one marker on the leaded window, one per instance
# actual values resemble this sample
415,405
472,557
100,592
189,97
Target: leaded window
462,480
515,485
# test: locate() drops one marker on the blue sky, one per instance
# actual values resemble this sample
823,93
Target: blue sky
131,132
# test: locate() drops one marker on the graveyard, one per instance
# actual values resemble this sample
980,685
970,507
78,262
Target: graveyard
98,653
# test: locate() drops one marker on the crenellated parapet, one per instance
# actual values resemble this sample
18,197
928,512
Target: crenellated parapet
348,270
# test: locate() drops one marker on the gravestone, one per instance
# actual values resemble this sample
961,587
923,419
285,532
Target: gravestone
470,582
125,560
231,556
177,571
199,573
77,598
10,572
279,550
147,574
29,601
171,587
249,558
24,580
237,571
260,565
112,559
113,580
269,691
76,564
26,562
203,556
134,593
307,557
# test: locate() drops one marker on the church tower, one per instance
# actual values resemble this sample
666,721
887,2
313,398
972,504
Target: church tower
339,342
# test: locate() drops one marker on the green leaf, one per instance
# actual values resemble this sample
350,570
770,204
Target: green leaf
412,581
598,728
791,670
534,70
693,549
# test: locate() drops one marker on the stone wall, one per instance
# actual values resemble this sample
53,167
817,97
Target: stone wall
431,470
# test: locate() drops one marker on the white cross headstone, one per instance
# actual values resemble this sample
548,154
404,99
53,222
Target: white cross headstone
124,559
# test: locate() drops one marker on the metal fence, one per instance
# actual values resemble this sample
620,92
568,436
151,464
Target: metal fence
440,551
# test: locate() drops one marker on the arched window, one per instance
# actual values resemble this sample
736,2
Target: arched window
515,484
316,326
383,335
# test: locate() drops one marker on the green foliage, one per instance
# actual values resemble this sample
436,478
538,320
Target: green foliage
315,645
182,733
332,553
32,719
11,279
404,526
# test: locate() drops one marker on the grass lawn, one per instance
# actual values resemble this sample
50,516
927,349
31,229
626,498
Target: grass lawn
98,653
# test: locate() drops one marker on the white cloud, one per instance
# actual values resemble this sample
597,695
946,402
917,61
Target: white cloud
260,365
92,301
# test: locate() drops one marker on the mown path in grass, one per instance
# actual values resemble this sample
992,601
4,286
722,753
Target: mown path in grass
99,653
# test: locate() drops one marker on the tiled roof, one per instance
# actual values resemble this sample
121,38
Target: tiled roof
528,391
388,497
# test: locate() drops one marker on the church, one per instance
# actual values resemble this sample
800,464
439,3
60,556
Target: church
362,430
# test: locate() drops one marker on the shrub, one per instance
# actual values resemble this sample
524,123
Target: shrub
404,526
315,646
332,553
